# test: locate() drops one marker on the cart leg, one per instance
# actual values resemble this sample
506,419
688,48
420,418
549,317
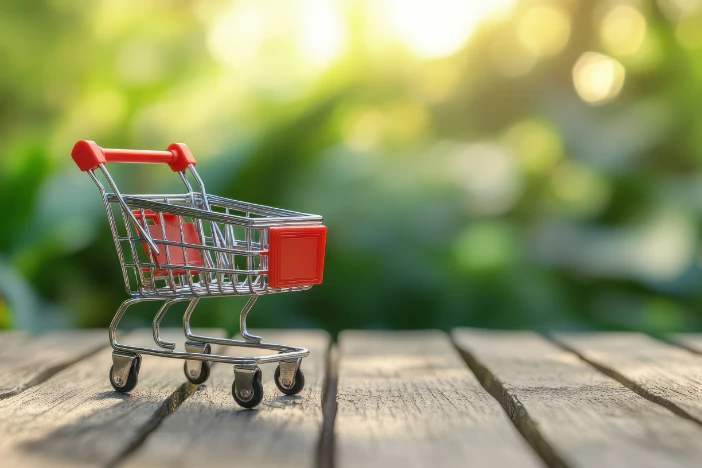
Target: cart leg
186,317
120,313
157,324
242,320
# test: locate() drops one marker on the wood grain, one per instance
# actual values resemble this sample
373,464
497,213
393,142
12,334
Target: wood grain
663,373
407,399
691,341
210,429
572,414
28,362
76,419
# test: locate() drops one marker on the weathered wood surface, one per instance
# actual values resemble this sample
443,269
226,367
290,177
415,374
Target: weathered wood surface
378,399
662,372
571,413
209,429
10,339
27,362
691,341
75,418
407,399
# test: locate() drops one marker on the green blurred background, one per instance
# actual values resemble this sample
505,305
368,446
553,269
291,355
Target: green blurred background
503,164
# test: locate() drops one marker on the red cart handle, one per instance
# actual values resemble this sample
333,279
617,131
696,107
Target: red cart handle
88,155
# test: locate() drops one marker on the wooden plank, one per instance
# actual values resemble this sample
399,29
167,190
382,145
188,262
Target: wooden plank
210,429
663,373
691,341
10,339
75,418
30,362
407,399
572,414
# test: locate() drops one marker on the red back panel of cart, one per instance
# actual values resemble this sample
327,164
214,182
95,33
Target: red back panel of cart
172,228
296,255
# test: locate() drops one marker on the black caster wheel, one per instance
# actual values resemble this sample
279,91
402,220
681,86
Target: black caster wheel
255,399
298,385
132,378
204,373
204,369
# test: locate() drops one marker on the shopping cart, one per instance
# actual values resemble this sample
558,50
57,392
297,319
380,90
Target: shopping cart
183,247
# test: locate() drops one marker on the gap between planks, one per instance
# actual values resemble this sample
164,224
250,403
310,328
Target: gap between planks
325,451
75,418
408,399
209,428
173,402
569,412
663,373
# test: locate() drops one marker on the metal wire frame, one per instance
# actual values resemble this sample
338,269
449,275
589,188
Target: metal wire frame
215,223
218,246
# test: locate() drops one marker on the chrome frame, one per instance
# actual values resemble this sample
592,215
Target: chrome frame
218,251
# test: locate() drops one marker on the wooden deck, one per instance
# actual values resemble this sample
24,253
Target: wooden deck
374,399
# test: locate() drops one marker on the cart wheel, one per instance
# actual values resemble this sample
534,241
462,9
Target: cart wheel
298,385
132,378
205,368
204,373
257,396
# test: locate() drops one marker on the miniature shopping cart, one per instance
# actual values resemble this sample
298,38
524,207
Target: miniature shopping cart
183,247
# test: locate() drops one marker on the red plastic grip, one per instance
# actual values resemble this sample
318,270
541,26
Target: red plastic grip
88,155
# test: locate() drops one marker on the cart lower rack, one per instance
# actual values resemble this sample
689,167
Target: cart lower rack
185,247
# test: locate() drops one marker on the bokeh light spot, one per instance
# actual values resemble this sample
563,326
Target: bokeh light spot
623,30
598,78
545,30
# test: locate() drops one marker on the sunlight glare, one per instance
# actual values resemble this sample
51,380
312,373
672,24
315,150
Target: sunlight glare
322,32
441,27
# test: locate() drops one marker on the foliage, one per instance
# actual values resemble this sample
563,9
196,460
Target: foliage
542,175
